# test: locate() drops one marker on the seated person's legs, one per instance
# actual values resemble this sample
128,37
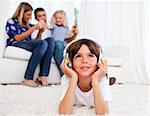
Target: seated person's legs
46,61
58,54
38,49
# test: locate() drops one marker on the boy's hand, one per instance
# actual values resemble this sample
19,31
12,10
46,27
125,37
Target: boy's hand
101,72
75,29
42,24
69,72
37,26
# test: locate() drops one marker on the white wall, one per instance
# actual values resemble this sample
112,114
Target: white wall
120,24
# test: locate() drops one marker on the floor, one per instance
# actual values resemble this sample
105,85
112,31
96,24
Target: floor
18,100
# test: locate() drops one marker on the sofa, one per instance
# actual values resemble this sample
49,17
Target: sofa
14,60
13,63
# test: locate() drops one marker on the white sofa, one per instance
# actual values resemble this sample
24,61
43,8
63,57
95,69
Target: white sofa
13,63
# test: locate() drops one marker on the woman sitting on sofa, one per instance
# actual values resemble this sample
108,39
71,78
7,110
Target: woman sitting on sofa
19,31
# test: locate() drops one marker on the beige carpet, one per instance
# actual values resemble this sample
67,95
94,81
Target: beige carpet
18,100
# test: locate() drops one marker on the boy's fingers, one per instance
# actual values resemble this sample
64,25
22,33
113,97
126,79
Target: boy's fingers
64,66
104,61
100,65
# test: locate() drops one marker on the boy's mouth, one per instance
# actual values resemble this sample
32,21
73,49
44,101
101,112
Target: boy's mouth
85,68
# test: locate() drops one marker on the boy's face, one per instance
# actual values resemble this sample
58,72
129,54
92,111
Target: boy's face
41,15
59,19
84,62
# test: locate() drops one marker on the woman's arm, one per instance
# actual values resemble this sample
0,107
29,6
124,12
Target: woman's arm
24,35
101,106
66,105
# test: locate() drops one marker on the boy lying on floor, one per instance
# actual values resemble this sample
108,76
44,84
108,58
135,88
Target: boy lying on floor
84,82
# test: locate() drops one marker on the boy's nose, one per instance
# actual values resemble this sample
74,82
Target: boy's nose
43,17
84,60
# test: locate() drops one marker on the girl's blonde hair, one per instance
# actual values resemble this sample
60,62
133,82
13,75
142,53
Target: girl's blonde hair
62,12
21,9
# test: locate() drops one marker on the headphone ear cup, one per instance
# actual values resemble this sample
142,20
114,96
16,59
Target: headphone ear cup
67,60
100,57
69,65
99,61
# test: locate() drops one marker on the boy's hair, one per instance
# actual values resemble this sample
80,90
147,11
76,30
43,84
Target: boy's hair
64,16
75,46
21,9
37,10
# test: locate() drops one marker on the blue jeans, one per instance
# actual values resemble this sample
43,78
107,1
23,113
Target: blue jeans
42,52
58,54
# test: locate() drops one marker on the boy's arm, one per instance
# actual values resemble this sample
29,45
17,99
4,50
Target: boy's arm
66,105
41,30
71,35
39,35
101,106
69,39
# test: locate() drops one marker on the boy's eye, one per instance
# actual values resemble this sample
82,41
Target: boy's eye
91,55
77,56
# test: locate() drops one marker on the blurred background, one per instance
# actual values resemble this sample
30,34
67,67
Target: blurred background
121,27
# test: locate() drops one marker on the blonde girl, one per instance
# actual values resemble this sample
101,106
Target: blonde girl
60,31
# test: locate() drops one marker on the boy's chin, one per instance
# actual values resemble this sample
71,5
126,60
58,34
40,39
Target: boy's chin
86,75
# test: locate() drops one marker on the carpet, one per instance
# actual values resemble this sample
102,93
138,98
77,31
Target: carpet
18,100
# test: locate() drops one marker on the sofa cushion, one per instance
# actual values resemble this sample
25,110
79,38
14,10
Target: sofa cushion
114,61
16,53
12,52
